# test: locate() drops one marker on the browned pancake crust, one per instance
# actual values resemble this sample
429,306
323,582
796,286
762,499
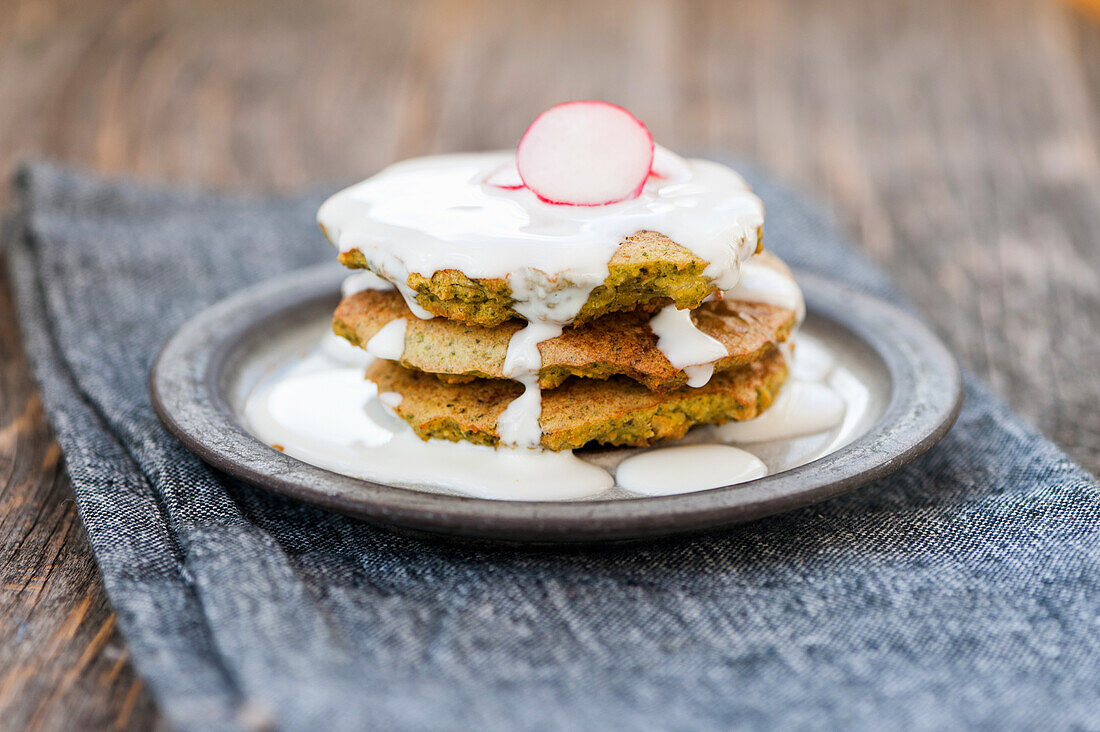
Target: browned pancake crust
615,412
647,270
616,344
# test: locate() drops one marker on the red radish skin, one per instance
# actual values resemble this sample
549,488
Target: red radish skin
506,177
587,153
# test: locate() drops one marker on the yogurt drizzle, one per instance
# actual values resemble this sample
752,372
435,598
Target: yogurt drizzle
389,342
433,214
762,283
685,346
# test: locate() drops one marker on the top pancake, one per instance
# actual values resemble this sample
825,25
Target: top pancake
617,344
647,271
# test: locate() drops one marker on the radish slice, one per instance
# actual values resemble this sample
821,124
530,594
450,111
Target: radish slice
585,154
506,176
669,166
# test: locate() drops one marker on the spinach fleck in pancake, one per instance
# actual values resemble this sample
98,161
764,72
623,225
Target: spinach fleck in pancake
617,411
647,271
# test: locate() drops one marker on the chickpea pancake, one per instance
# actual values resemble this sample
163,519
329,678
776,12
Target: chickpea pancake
647,271
619,344
616,411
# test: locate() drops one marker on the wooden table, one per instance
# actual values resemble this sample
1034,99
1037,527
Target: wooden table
956,140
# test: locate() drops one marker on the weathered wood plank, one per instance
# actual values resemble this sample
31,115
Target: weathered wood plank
62,662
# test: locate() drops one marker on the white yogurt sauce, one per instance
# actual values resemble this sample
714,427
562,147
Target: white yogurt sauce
361,281
339,351
812,362
761,283
685,346
437,213
802,408
667,471
328,415
518,425
807,402
335,406
389,342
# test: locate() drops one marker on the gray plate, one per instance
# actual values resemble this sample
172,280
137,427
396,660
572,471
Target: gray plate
203,373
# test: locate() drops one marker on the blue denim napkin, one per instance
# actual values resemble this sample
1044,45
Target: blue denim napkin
962,591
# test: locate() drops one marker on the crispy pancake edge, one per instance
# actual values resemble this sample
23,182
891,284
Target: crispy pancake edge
647,270
617,411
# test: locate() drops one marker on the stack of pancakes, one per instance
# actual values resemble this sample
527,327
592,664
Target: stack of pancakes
604,380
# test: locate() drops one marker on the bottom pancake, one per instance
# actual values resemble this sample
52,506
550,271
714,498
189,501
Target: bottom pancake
618,411
621,343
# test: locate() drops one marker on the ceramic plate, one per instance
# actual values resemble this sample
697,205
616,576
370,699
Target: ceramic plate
903,388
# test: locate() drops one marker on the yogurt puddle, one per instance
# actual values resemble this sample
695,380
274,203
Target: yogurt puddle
326,414
664,471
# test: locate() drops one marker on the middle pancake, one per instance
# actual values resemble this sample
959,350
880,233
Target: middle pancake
619,344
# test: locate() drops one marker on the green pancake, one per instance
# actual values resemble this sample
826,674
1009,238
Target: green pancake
648,271
618,411
616,344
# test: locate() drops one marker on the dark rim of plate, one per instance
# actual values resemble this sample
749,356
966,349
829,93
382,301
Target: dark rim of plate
186,387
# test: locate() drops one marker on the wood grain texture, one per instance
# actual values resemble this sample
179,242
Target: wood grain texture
63,664
956,141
